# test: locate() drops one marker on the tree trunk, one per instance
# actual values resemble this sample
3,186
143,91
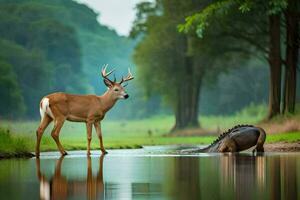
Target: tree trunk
292,47
186,111
275,66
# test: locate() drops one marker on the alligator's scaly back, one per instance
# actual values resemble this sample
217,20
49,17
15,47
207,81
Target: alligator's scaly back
224,134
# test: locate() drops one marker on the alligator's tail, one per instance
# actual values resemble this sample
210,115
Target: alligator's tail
261,140
195,150
204,150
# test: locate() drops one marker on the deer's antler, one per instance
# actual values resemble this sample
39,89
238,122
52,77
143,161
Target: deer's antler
127,78
105,74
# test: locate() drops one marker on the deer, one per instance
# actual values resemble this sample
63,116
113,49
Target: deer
90,109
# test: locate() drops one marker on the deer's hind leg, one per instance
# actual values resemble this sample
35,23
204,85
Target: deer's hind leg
58,123
39,133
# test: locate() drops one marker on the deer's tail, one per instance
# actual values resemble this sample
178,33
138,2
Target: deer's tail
45,108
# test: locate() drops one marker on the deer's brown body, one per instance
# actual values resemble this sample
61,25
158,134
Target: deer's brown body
80,108
91,109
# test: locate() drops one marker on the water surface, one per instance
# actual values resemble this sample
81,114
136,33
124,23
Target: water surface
152,173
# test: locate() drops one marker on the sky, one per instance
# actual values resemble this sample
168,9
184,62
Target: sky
117,14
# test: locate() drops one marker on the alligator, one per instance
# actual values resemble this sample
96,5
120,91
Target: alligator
236,139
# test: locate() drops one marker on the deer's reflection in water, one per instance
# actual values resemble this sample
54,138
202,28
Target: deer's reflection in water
59,187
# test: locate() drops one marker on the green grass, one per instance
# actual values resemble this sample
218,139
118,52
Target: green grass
21,144
283,137
125,134
158,126
10,143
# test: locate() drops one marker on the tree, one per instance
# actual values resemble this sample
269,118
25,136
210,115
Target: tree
271,10
176,63
292,16
163,55
274,58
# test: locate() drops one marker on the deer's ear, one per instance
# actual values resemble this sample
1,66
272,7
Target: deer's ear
107,83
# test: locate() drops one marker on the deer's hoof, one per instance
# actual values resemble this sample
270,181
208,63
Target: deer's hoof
64,153
104,152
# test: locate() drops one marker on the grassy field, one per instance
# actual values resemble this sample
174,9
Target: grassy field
130,134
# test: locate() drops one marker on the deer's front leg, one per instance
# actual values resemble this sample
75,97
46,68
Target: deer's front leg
99,133
89,127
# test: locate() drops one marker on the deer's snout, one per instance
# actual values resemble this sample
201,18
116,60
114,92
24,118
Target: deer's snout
126,96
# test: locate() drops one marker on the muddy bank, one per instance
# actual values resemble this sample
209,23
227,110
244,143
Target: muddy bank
16,155
283,147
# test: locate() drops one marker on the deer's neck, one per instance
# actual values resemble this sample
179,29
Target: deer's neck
107,101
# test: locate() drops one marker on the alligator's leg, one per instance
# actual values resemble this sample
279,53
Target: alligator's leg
260,141
228,145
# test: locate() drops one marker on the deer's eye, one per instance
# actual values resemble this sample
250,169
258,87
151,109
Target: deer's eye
116,90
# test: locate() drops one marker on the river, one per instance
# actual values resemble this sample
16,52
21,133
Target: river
151,173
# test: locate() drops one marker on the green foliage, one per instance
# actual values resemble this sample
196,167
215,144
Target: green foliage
164,52
144,11
254,110
245,6
13,144
155,55
202,18
235,89
222,58
25,65
13,104
276,6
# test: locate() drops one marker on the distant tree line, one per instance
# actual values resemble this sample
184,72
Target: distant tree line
187,44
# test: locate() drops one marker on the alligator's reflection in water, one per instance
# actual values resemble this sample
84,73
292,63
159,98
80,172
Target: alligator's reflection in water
59,187
125,174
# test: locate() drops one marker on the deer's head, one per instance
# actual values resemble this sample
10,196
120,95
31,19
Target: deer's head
116,89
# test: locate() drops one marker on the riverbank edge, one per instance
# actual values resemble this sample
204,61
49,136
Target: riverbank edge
8,155
281,146
269,147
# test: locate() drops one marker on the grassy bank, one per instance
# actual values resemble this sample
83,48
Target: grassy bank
137,142
13,145
130,142
127,134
